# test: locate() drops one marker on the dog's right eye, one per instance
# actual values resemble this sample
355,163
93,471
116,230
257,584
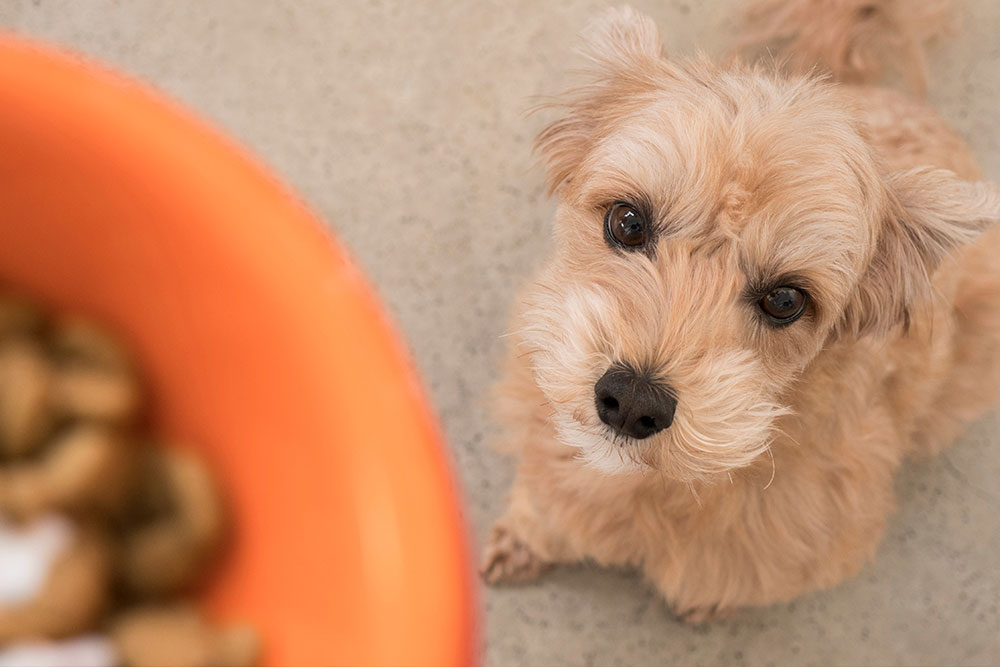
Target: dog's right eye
625,226
783,305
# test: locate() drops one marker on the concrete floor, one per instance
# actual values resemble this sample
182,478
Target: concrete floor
403,124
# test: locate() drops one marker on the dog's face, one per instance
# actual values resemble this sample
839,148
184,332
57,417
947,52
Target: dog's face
717,229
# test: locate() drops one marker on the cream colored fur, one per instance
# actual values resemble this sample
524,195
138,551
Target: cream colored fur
776,476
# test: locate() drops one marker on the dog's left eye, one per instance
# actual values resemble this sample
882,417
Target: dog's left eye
625,226
783,305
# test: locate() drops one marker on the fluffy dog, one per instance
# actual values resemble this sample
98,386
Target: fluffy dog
766,290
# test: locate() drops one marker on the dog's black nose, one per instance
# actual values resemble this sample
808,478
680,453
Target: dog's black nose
633,405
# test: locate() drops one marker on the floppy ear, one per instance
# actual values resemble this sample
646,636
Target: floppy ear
931,212
623,49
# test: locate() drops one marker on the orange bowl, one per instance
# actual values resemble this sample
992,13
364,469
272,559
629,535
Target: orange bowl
263,348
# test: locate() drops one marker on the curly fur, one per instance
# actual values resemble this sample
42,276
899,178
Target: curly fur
776,476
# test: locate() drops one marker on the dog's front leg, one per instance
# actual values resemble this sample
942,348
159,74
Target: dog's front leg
521,545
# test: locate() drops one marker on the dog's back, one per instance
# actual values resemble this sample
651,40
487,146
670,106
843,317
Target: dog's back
864,43
855,41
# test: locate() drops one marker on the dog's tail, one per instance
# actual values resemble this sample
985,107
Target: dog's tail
855,41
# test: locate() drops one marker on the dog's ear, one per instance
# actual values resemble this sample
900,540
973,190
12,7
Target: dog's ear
930,213
620,40
623,50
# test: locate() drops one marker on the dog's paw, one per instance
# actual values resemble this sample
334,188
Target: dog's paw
701,614
508,559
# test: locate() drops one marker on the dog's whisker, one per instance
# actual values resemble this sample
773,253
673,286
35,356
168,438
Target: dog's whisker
773,469
694,494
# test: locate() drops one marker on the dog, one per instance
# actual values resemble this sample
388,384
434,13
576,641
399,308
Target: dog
770,284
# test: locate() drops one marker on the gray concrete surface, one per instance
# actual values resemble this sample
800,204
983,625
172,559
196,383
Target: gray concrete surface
403,124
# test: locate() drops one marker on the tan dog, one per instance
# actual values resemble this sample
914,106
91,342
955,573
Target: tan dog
766,291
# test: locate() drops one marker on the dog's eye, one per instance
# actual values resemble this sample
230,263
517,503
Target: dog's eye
783,305
625,226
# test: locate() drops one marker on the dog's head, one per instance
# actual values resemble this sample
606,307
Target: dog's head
717,228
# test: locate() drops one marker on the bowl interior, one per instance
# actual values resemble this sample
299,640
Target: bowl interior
263,349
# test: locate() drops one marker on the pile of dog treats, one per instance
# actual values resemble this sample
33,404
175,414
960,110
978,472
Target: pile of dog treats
101,530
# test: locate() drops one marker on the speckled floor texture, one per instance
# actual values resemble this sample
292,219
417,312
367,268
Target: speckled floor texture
403,123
